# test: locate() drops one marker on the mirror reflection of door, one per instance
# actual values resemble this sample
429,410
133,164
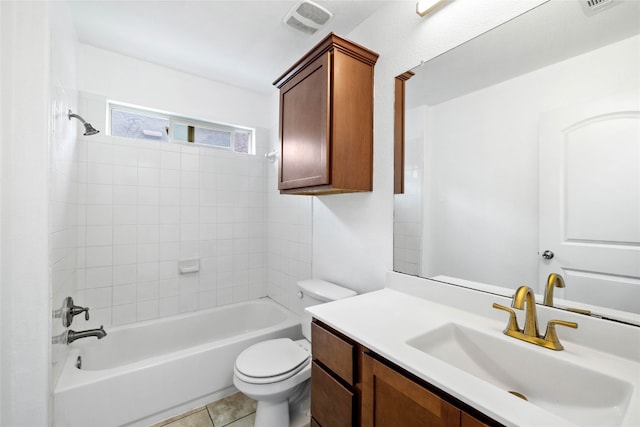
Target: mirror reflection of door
590,200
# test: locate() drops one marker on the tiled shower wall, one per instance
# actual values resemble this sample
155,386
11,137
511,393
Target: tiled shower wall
144,206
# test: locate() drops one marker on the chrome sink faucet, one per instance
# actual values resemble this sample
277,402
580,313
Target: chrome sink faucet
524,295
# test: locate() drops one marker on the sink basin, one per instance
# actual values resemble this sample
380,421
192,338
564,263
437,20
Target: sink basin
575,393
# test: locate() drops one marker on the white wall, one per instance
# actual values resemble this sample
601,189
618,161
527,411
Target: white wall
63,169
483,176
353,233
25,327
407,215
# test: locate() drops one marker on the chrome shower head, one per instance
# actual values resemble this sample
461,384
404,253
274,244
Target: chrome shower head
88,129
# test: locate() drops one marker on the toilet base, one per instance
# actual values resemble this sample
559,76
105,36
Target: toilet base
272,414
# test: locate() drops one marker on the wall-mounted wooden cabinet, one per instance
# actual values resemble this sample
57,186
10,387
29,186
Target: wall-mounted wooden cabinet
326,120
352,386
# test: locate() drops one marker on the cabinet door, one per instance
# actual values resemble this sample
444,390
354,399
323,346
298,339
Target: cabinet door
389,399
304,127
331,402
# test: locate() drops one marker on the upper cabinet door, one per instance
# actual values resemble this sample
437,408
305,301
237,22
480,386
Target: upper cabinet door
304,127
326,120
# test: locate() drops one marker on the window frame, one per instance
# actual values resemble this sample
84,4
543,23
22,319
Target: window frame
174,119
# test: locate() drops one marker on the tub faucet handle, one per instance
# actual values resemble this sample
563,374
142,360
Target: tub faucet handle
76,309
69,310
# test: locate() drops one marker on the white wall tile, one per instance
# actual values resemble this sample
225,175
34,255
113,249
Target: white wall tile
168,306
170,160
190,162
148,158
124,254
98,277
125,175
148,215
99,194
170,178
149,177
125,156
99,235
148,196
125,214
98,215
124,294
98,297
148,272
125,234
125,195
99,256
124,274
123,314
100,153
99,173
169,196
189,179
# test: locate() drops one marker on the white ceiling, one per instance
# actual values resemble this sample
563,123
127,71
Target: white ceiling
243,43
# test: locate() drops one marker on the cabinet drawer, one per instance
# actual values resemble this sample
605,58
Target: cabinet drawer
333,352
331,402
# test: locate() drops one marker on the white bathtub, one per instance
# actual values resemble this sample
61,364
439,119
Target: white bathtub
149,371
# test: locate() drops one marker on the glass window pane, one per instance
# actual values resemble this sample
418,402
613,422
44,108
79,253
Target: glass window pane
134,125
216,138
241,142
180,132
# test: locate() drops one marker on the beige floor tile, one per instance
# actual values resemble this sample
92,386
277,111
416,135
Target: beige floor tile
177,417
247,421
198,418
231,408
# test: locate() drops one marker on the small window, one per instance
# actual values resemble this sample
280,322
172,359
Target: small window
137,125
132,122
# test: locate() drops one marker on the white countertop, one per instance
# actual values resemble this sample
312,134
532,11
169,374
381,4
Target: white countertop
385,320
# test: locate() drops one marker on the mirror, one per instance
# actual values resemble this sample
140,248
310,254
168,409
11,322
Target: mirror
523,140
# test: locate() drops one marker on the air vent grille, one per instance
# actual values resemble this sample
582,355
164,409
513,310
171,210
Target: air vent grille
307,17
596,4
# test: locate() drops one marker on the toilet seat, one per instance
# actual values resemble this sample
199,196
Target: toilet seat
271,361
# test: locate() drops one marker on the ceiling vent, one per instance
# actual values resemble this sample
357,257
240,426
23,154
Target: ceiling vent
592,7
307,17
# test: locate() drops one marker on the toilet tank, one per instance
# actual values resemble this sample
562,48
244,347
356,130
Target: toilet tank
314,292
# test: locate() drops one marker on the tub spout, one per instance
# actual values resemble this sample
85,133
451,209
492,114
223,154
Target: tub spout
69,336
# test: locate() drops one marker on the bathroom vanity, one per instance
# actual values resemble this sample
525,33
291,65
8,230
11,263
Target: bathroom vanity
352,385
423,353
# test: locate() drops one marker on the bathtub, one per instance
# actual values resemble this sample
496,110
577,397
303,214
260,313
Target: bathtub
146,372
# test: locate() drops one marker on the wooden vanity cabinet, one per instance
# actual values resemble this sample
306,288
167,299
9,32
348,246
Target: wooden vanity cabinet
326,120
352,386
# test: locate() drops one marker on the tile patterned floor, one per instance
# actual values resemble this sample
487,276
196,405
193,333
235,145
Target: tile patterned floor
236,410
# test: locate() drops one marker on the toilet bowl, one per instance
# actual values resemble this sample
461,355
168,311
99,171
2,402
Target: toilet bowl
276,372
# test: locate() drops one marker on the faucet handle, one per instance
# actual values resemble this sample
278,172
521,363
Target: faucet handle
551,335
513,321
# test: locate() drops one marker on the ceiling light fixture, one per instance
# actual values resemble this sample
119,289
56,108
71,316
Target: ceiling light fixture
424,7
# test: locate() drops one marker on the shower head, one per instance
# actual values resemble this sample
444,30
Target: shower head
88,129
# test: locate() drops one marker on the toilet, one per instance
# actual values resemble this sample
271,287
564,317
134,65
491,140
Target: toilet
276,372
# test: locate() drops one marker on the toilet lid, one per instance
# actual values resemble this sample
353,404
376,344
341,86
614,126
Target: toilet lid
271,358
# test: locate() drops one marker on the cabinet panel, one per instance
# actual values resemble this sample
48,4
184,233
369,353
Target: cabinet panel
390,399
331,402
352,123
333,352
469,421
304,146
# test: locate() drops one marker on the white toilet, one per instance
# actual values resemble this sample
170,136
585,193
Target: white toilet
276,372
